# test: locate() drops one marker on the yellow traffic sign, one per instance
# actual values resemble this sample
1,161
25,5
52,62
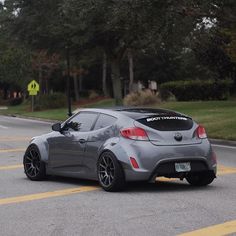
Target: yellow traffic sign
33,92
33,87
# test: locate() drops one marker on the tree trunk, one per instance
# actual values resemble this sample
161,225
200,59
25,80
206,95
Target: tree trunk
104,75
80,79
116,81
76,87
131,70
40,80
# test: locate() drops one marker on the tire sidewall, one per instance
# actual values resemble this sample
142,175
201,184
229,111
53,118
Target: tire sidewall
119,179
42,170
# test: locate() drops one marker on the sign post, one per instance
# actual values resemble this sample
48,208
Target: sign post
33,88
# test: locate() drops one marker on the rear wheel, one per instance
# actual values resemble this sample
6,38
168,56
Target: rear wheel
33,165
110,173
200,179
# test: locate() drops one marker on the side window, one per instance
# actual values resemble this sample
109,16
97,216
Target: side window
82,122
104,121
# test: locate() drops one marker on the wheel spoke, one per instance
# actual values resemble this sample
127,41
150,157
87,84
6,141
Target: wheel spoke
29,158
106,170
101,165
104,160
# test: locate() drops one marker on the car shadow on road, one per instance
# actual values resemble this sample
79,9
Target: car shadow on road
74,181
165,186
158,186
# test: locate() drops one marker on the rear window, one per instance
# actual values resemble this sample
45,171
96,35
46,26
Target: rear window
167,123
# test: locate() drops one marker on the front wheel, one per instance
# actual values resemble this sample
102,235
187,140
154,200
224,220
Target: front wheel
110,173
34,168
200,179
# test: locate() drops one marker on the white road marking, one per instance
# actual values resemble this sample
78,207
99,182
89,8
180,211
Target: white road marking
3,127
223,146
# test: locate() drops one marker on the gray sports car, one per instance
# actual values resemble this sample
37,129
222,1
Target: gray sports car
127,144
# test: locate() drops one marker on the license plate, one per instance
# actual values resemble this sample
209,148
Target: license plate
182,167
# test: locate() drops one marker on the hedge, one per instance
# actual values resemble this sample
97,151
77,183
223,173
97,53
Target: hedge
197,89
51,101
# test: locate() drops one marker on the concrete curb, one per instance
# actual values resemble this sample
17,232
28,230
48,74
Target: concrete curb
223,142
34,118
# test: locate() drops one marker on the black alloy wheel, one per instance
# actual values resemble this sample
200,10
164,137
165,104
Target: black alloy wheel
33,166
110,173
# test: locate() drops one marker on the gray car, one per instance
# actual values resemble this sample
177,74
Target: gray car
114,146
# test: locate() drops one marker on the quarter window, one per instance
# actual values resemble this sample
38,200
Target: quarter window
104,121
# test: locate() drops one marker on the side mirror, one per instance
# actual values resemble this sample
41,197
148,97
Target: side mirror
57,127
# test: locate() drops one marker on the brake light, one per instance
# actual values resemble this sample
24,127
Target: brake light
135,133
201,132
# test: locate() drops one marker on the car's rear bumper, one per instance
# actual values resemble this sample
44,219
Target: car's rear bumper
166,168
157,161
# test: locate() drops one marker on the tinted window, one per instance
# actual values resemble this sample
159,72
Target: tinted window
83,122
104,121
167,123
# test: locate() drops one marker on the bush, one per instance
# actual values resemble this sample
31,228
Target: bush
93,94
141,98
51,101
15,101
197,89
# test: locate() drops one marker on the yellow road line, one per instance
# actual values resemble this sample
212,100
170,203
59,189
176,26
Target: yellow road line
12,150
39,196
224,170
11,167
216,230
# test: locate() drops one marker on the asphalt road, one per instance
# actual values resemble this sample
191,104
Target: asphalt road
64,206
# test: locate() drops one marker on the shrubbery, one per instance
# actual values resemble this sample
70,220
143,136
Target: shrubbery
197,89
51,101
141,98
15,101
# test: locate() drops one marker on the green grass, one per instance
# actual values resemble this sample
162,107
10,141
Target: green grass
218,117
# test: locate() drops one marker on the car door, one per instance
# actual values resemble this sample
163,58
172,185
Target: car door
103,130
67,149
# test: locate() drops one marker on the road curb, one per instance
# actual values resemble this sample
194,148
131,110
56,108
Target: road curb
223,142
33,118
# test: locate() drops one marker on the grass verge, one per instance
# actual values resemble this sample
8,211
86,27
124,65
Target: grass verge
218,117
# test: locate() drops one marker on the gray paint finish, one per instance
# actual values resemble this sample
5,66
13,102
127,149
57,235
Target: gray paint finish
65,154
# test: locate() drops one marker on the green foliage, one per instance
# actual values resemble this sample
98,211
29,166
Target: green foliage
51,101
197,89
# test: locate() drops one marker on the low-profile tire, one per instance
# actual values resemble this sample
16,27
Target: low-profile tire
110,173
200,179
33,165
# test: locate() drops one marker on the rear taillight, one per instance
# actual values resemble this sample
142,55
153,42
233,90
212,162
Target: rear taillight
201,132
135,133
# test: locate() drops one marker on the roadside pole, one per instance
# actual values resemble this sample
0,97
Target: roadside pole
32,103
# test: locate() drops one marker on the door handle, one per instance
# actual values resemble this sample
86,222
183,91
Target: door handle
82,141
